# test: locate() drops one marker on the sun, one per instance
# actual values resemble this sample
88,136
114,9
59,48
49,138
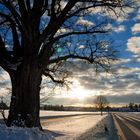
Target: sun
77,91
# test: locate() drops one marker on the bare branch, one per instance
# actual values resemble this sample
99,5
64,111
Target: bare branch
79,33
53,79
14,13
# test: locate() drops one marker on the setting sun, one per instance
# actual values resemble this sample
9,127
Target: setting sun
77,91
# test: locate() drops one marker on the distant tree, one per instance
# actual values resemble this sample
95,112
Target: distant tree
108,108
37,36
3,107
131,106
136,107
101,102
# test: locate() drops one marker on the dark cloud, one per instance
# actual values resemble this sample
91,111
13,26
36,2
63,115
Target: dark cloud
124,82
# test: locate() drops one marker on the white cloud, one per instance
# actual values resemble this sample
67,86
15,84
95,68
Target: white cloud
94,10
84,22
81,47
133,45
136,28
117,14
109,26
119,29
120,15
137,17
62,31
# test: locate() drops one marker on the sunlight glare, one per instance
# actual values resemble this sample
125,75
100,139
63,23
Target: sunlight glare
77,91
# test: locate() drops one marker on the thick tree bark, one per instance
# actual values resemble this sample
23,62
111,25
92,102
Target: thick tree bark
24,107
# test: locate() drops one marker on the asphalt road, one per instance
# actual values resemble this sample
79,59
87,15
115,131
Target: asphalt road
128,125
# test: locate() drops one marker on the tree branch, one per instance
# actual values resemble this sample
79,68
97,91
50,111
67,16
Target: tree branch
62,58
5,57
14,13
22,9
79,33
52,78
56,24
38,7
16,44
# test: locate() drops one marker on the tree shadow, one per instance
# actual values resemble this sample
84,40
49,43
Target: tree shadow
70,115
2,121
54,133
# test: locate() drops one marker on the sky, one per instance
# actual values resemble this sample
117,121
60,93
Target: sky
121,86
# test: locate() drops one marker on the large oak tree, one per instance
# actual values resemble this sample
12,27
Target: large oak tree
37,35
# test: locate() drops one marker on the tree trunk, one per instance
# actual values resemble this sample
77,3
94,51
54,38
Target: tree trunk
101,111
25,101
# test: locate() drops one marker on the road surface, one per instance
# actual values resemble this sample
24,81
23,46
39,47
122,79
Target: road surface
128,125
70,127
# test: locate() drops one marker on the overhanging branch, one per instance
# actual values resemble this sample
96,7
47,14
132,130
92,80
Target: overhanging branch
53,79
79,33
62,58
14,13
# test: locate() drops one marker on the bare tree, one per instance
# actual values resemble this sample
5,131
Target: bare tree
101,102
36,36
3,107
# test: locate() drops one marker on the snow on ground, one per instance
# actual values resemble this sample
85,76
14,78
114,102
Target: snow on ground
63,113
16,133
134,114
65,125
104,130
71,127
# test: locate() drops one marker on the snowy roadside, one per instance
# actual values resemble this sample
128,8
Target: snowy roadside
78,127
104,130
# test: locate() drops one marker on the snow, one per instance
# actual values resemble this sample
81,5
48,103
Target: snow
72,125
16,133
104,130
65,125
113,133
62,113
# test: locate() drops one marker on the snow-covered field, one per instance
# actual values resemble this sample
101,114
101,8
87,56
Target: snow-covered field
72,125
65,125
61,113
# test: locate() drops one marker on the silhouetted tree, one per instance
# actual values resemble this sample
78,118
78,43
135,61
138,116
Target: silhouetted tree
3,107
101,102
108,108
36,37
136,107
131,106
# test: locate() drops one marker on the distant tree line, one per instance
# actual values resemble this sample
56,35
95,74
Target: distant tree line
134,106
71,108
66,108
